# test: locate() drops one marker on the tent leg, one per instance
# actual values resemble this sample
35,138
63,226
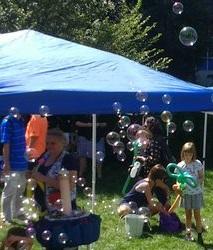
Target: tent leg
204,138
93,159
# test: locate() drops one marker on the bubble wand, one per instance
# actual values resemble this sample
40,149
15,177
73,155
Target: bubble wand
183,179
136,165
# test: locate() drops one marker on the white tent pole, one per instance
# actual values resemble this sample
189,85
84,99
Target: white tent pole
167,133
93,159
204,137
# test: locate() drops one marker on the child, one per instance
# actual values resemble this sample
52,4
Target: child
141,193
192,199
17,238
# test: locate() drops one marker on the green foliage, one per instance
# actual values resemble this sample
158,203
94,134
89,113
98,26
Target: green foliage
103,24
113,235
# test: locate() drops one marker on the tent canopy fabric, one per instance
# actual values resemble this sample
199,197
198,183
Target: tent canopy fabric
38,69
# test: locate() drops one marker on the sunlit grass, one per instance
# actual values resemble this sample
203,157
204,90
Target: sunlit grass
113,235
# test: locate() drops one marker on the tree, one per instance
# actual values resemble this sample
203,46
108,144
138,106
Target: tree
103,24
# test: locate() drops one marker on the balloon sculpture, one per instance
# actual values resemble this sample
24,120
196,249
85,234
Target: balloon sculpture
183,179
136,164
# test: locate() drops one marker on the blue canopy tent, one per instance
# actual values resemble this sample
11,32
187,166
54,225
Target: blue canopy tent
37,69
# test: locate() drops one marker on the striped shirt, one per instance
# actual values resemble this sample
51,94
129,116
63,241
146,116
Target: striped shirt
13,133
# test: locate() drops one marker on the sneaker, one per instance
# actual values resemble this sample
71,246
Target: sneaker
200,239
189,237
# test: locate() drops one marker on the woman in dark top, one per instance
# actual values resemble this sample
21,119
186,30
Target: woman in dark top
142,193
157,151
49,166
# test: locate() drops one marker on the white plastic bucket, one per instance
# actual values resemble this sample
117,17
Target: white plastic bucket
134,225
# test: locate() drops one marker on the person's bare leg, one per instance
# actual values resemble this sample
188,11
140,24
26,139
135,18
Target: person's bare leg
198,225
188,213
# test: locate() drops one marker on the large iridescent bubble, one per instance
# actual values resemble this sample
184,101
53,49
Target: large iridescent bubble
188,36
132,131
130,146
63,238
141,96
188,126
166,116
124,121
171,126
166,98
13,111
116,106
177,8
121,156
112,137
46,235
118,147
144,110
44,110
100,156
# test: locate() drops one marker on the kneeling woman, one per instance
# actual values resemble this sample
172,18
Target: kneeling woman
142,193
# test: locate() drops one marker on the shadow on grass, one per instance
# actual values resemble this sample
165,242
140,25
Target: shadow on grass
208,246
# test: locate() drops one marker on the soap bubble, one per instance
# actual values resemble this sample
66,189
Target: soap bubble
81,182
13,111
64,172
141,96
166,116
177,8
121,156
188,36
32,184
31,232
130,146
166,98
118,147
116,106
87,191
62,238
44,110
171,126
144,211
100,156
124,122
112,137
31,154
132,131
205,224
21,245
144,110
133,205
46,235
188,126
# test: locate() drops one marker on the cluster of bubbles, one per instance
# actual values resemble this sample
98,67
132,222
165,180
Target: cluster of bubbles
29,209
188,35
81,182
166,116
43,111
129,131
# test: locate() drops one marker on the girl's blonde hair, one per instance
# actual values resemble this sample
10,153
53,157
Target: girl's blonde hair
189,147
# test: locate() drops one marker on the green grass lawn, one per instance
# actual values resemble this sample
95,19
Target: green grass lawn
113,236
